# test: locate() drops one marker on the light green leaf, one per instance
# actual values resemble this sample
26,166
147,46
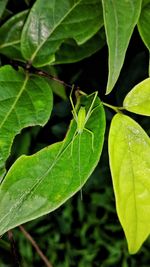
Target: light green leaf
149,65
3,4
24,101
138,99
70,52
120,18
10,36
129,154
38,184
144,23
49,24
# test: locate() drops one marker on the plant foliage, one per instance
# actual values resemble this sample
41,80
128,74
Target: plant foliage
33,41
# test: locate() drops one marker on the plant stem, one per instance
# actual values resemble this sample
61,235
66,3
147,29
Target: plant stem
39,72
34,244
14,252
116,109
4,245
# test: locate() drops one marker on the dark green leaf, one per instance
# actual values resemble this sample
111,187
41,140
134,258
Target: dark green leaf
120,18
3,4
10,36
57,87
144,23
24,101
49,24
70,52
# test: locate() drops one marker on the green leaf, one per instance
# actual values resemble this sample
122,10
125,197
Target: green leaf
120,18
3,4
70,52
144,23
38,184
138,99
57,87
149,66
50,24
10,33
24,101
129,153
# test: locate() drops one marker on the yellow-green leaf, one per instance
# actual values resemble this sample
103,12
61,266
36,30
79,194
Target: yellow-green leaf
129,153
138,99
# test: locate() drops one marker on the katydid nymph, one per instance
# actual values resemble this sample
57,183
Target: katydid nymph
81,117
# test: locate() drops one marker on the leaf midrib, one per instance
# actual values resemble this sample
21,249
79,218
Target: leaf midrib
133,180
40,179
35,185
15,102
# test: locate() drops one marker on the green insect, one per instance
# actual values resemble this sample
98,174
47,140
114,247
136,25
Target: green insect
82,116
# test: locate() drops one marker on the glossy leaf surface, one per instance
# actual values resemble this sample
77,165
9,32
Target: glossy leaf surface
138,99
129,153
24,101
120,18
10,33
49,24
144,23
38,184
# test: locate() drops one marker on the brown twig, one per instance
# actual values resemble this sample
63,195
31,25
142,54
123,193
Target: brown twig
14,253
49,76
34,244
30,68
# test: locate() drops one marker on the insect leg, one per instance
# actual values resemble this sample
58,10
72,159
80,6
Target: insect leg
75,134
92,135
90,109
73,107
